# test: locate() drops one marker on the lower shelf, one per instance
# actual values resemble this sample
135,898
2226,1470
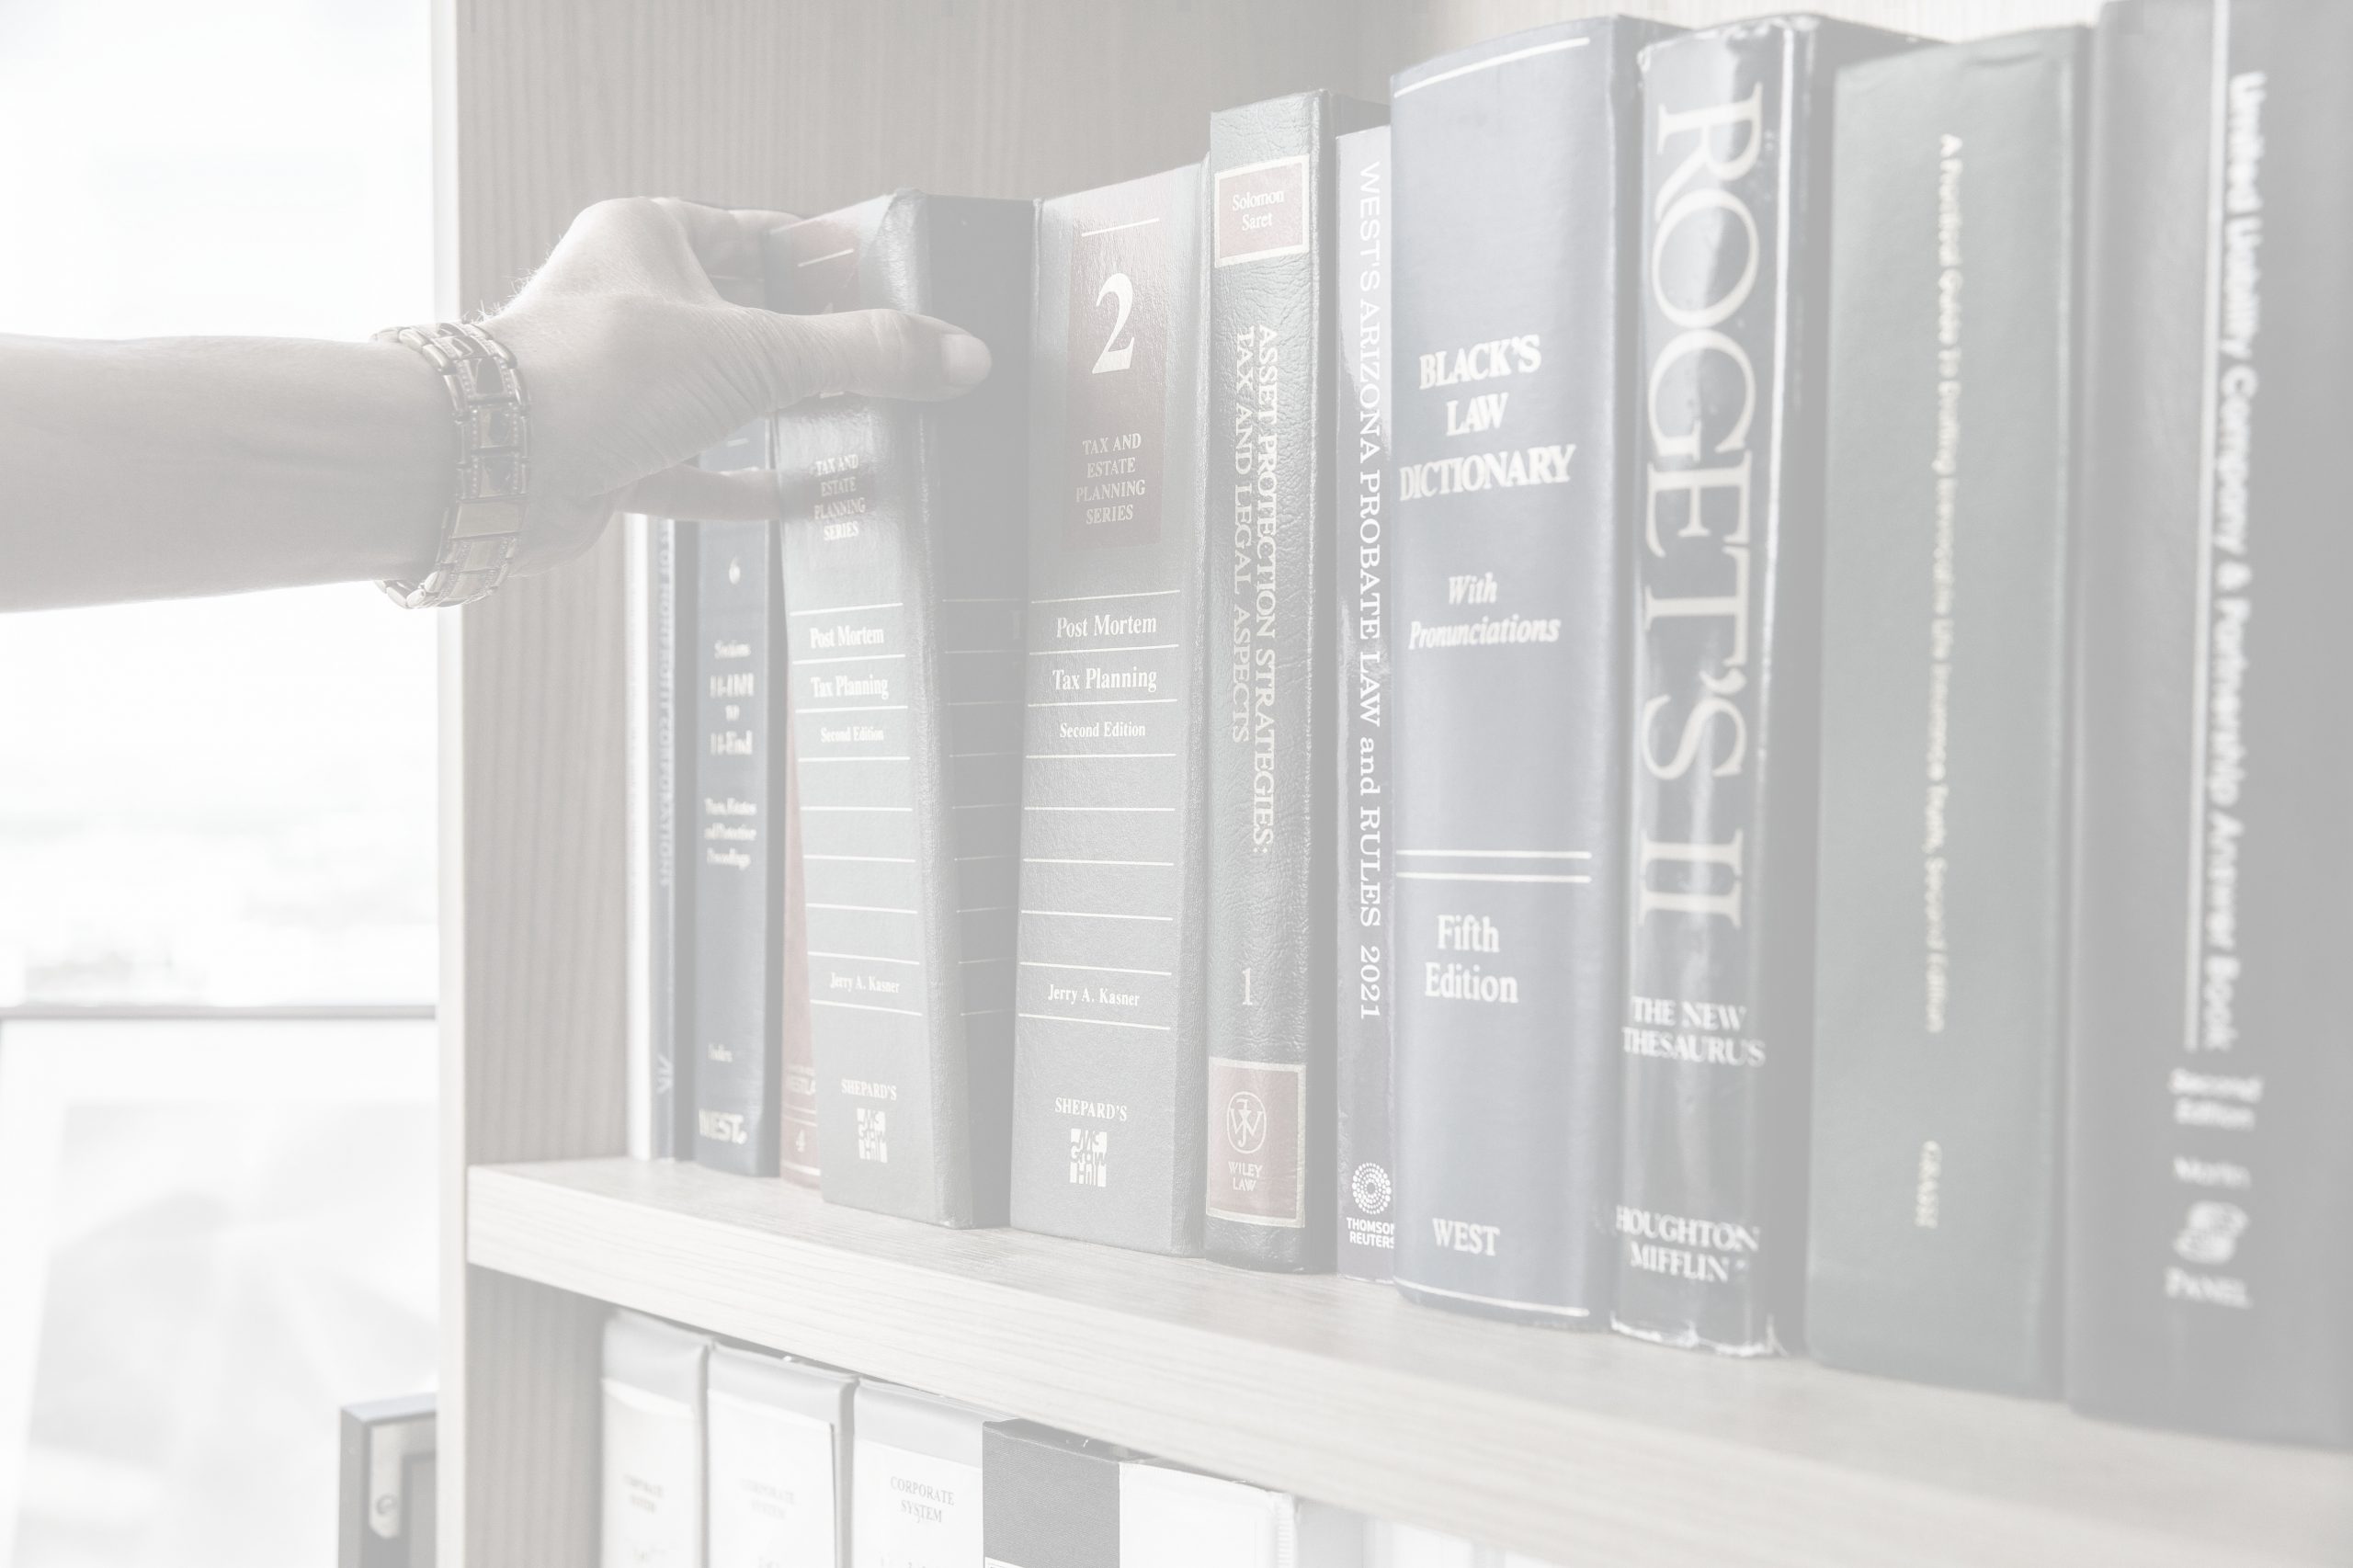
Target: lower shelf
1582,1447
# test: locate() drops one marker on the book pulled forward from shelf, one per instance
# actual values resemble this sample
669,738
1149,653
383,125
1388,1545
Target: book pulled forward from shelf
904,590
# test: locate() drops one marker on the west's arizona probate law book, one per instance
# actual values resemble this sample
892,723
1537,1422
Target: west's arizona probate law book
1365,981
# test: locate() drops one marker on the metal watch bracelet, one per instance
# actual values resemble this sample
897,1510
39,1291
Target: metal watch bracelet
484,524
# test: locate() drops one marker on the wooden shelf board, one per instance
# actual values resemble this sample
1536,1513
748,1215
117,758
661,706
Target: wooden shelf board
1582,1448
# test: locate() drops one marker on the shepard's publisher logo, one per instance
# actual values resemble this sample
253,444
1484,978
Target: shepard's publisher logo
873,1125
721,1127
1245,1123
1090,1156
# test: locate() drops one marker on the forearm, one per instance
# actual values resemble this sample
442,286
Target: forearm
173,466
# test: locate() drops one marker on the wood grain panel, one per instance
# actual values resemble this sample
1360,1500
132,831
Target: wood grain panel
1584,1447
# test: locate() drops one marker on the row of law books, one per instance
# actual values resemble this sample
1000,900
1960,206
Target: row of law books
1685,690
723,1456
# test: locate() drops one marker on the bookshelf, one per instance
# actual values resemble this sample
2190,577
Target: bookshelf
1581,1448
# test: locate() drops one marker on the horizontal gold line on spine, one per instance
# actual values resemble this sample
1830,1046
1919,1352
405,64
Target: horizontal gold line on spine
843,609
1482,877
1107,1023
864,1008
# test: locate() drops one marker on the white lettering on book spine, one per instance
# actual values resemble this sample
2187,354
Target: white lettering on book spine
2209,1097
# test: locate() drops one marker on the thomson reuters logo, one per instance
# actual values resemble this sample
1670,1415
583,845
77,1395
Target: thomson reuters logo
1245,1122
1370,1187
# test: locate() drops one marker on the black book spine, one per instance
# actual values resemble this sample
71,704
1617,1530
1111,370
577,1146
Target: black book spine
662,1121
2209,1281
1718,1010
671,618
1517,214
905,527
1048,1499
1108,1114
739,844
1364,1000
1268,1194
1940,975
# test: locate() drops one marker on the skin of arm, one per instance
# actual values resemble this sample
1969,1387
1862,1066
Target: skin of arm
174,465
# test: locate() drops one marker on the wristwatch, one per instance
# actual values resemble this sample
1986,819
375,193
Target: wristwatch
485,523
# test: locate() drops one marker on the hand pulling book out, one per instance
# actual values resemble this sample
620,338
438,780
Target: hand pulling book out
1109,1115
2210,1283
904,584
1516,190
746,1028
1719,1011
1271,361
1365,1002
1941,988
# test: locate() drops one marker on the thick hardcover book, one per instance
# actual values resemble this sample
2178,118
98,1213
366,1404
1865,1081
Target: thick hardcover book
1365,1001
653,1444
1050,1500
1515,185
1718,1010
904,532
1108,1112
916,1481
1939,963
657,1113
1179,1518
740,854
1267,1196
2209,1281
776,1446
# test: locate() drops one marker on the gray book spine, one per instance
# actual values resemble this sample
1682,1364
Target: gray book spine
1108,1113
2210,1283
904,586
1941,988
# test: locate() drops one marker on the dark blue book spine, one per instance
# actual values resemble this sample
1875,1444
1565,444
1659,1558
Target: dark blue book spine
1518,211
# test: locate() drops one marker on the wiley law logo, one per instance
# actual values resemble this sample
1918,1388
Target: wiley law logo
1245,1122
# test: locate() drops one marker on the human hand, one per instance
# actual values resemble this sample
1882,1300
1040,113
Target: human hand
640,343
